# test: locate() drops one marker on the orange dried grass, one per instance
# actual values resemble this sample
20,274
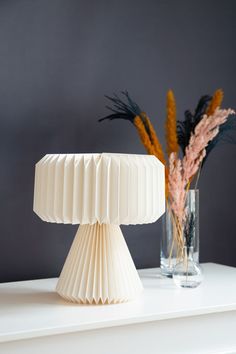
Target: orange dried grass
171,131
151,142
154,139
215,102
144,137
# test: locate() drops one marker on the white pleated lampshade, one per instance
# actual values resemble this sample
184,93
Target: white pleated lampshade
99,188
100,192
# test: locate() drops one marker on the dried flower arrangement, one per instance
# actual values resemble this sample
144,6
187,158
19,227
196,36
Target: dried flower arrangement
197,135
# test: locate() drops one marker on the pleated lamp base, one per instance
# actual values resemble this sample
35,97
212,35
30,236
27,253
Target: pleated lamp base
99,268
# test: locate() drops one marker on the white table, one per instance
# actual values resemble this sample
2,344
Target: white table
164,319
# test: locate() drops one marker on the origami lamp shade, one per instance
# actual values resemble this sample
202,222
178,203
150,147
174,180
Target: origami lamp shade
99,192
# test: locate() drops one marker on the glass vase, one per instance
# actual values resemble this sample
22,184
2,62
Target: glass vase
173,237
187,273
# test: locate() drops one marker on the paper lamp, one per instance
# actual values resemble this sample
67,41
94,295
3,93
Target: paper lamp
99,192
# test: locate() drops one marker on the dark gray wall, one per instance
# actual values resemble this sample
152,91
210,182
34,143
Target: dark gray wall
57,59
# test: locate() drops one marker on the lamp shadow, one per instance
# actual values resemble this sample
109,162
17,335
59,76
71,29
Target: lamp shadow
17,297
28,297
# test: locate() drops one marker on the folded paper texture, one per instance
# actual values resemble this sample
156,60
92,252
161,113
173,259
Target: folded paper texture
99,268
99,188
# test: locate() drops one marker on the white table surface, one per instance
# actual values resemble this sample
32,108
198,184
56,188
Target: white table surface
31,309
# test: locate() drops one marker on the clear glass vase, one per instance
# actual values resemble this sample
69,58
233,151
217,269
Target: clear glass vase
172,241
187,273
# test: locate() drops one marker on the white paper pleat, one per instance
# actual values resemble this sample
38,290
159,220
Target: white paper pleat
104,188
99,268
